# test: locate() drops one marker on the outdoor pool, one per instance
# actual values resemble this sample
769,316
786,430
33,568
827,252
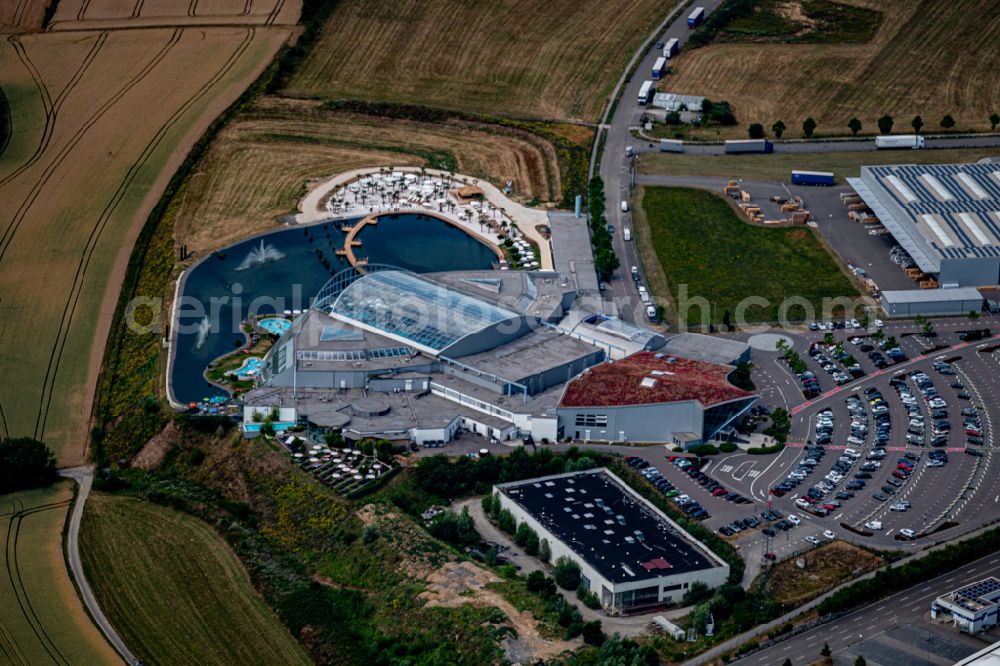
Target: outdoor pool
274,325
249,369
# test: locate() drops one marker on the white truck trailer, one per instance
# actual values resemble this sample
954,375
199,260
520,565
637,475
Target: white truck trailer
902,141
671,146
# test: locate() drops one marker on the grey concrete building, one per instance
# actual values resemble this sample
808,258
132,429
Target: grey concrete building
931,302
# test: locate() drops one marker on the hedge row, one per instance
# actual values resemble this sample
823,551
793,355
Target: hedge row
887,581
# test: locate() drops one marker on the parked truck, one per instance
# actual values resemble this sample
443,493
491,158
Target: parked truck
646,92
812,178
671,146
696,17
749,146
912,141
659,67
671,47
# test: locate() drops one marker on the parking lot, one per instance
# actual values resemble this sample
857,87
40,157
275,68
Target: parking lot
908,476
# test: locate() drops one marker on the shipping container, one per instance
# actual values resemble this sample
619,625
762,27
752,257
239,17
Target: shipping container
646,92
671,146
749,146
913,141
671,47
658,67
812,178
696,17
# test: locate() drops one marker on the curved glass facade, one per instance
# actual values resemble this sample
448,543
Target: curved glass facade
409,307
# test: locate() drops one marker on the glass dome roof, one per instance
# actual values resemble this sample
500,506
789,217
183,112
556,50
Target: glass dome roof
416,310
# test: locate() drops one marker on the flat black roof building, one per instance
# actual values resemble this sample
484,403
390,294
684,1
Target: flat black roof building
606,524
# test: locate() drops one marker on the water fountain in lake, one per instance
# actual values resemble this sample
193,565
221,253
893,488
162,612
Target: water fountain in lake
204,328
260,255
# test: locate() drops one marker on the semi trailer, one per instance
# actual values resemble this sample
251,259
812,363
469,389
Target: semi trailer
912,141
670,48
658,67
671,146
749,146
696,17
812,178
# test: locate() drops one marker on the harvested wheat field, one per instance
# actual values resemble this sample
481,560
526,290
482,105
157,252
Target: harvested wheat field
555,60
258,167
101,120
42,621
914,65
21,16
105,14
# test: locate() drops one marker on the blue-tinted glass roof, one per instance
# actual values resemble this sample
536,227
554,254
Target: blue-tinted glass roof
415,309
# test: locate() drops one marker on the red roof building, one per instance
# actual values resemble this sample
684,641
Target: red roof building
648,378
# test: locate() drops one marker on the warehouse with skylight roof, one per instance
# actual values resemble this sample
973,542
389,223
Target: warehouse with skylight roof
946,216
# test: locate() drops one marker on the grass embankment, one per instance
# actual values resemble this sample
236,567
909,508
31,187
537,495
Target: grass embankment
802,22
556,60
707,252
174,590
832,83
778,166
41,619
826,567
259,166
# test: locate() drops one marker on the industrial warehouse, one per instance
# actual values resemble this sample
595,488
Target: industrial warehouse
972,608
946,216
502,354
630,554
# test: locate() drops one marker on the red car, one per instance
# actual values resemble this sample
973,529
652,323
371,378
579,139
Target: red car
828,507
770,556
900,475
719,491
672,458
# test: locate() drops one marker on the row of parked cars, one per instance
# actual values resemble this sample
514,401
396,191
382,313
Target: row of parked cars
822,354
705,481
811,455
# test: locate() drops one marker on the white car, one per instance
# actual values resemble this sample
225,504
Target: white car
813,540
855,323
879,323
793,519
898,507
907,533
874,524
801,503
829,534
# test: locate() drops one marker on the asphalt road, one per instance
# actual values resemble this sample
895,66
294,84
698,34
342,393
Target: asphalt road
910,606
621,297
84,477
819,146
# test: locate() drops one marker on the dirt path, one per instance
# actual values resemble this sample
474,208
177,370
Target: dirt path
627,626
84,477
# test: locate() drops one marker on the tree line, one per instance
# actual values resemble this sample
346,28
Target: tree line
885,124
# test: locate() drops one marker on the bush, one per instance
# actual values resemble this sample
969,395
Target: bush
567,574
755,131
453,528
25,463
727,447
589,599
506,522
704,450
592,633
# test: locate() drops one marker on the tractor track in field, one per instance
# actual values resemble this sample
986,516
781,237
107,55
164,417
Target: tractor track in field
52,112
76,138
274,13
14,523
69,310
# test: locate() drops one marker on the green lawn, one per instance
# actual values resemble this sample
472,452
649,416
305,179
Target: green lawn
778,166
174,590
708,252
